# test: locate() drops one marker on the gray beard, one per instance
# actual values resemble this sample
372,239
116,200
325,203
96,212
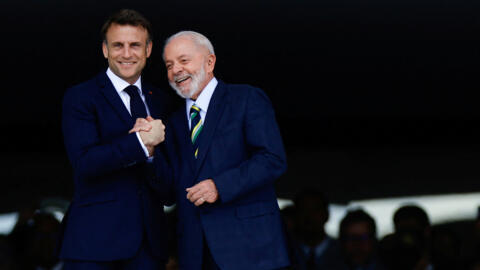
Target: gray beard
194,84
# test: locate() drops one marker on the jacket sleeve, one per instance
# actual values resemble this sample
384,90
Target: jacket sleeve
163,182
267,159
89,155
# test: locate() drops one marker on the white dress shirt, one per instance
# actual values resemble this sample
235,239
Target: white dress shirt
120,84
202,100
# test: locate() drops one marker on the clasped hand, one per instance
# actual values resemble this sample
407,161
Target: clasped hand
152,132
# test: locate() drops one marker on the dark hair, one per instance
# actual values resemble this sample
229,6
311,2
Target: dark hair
311,192
127,17
411,212
357,216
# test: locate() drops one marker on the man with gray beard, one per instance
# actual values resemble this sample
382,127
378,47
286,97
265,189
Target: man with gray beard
224,152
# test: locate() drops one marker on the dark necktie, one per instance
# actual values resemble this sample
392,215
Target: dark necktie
137,107
195,127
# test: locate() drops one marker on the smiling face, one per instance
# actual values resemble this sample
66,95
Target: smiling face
127,49
189,66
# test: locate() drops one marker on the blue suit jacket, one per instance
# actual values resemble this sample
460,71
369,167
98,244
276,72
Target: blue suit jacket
113,205
241,149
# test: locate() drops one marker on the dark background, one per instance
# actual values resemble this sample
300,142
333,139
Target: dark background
374,98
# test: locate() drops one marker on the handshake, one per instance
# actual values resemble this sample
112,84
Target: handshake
151,131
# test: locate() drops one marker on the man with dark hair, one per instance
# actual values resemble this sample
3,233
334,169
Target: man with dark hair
408,246
115,221
357,216
314,248
358,240
411,218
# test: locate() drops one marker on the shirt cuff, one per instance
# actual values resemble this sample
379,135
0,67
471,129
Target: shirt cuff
143,145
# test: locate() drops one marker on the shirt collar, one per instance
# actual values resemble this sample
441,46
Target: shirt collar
204,98
320,248
119,84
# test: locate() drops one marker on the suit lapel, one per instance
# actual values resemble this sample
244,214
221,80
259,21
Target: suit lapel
114,99
148,93
214,113
154,111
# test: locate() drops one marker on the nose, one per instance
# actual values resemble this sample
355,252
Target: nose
176,69
126,52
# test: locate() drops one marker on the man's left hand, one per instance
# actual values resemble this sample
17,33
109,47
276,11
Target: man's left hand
204,191
142,124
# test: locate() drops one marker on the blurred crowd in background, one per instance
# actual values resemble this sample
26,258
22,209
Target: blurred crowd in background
415,244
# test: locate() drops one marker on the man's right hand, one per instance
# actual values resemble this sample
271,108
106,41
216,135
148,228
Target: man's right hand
156,134
142,124
151,131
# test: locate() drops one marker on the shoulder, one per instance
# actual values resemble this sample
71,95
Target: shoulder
239,89
84,93
86,88
245,92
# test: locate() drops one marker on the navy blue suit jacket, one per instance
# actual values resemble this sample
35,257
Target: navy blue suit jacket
241,149
113,205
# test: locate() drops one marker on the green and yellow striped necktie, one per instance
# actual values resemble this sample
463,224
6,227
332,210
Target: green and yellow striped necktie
195,127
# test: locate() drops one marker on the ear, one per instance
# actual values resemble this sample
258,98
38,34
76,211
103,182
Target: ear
211,59
149,48
105,49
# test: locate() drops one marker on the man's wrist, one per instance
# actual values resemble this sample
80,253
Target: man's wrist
144,146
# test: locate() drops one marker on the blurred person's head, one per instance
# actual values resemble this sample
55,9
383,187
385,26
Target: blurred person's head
358,237
411,218
402,250
311,214
407,247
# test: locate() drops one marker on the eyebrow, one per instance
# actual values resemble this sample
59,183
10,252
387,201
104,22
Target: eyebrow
128,43
181,56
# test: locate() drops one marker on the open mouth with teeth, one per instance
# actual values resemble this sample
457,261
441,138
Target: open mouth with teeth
182,79
127,63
